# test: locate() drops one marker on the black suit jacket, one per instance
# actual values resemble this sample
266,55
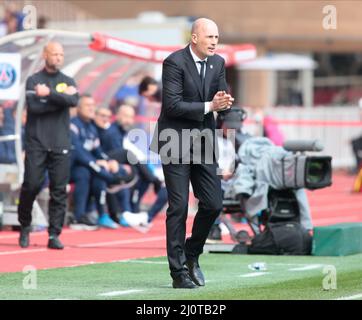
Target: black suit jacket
183,102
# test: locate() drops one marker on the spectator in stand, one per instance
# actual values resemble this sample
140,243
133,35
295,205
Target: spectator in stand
13,20
3,28
11,23
42,22
147,89
126,94
267,127
92,170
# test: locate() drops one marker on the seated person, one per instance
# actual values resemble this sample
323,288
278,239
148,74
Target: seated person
226,159
121,199
239,162
138,193
115,142
91,169
7,127
260,170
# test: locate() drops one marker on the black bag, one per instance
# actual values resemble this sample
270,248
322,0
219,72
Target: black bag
282,238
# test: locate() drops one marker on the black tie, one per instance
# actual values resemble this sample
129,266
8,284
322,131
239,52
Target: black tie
202,73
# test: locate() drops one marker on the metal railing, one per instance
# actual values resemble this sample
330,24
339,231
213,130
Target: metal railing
335,126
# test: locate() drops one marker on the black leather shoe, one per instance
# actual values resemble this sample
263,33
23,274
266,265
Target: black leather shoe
195,272
54,243
24,237
183,281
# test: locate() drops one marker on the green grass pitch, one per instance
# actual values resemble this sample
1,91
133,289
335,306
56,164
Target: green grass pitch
228,277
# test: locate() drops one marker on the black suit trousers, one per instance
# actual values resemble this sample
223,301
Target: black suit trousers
207,189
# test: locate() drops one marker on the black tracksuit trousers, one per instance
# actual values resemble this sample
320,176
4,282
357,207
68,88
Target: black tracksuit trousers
37,162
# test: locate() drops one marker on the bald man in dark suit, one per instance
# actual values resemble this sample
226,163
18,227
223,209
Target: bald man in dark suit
194,86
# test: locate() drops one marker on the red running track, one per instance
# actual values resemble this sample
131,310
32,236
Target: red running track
331,205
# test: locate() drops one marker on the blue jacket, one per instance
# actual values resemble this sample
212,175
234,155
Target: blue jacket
112,138
86,148
7,148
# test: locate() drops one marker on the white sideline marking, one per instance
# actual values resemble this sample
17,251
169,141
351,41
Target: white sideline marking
34,234
140,261
294,264
74,261
305,268
100,244
97,244
288,264
118,293
136,259
356,296
254,274
22,251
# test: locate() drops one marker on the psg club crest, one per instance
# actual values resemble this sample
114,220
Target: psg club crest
7,75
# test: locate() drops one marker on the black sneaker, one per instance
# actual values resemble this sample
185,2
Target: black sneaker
24,237
214,234
86,222
54,243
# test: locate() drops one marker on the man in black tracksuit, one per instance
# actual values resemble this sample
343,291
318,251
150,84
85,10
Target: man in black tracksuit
49,95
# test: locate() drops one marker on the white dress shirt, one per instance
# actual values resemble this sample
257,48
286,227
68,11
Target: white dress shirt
198,66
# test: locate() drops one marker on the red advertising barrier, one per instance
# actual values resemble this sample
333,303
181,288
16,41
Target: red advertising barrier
232,54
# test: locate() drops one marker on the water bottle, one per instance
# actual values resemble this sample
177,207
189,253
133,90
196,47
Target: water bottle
258,266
